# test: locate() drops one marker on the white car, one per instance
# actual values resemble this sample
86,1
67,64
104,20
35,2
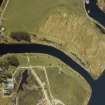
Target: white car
87,1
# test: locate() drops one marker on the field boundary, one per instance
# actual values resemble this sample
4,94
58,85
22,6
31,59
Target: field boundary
3,4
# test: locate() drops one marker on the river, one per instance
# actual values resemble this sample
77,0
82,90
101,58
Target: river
98,86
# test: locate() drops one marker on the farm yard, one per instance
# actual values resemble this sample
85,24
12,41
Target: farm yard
51,82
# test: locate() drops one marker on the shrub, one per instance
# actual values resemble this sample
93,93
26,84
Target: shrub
20,36
12,60
4,65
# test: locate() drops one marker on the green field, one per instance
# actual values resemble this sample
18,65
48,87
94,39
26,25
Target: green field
22,15
63,85
60,23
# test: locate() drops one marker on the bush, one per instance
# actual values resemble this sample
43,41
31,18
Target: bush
4,65
5,62
12,60
20,36
4,76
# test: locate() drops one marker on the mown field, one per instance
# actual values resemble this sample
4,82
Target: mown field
63,82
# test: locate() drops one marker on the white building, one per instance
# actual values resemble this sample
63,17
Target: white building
8,86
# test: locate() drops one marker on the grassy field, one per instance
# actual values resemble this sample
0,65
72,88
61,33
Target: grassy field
60,23
29,95
25,17
78,35
64,87
5,101
63,81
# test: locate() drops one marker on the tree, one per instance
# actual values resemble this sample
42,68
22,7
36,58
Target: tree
4,65
21,36
12,60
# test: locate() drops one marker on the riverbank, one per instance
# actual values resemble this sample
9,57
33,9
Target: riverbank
58,28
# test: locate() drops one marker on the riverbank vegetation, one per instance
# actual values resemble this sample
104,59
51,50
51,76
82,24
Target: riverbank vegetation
101,4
